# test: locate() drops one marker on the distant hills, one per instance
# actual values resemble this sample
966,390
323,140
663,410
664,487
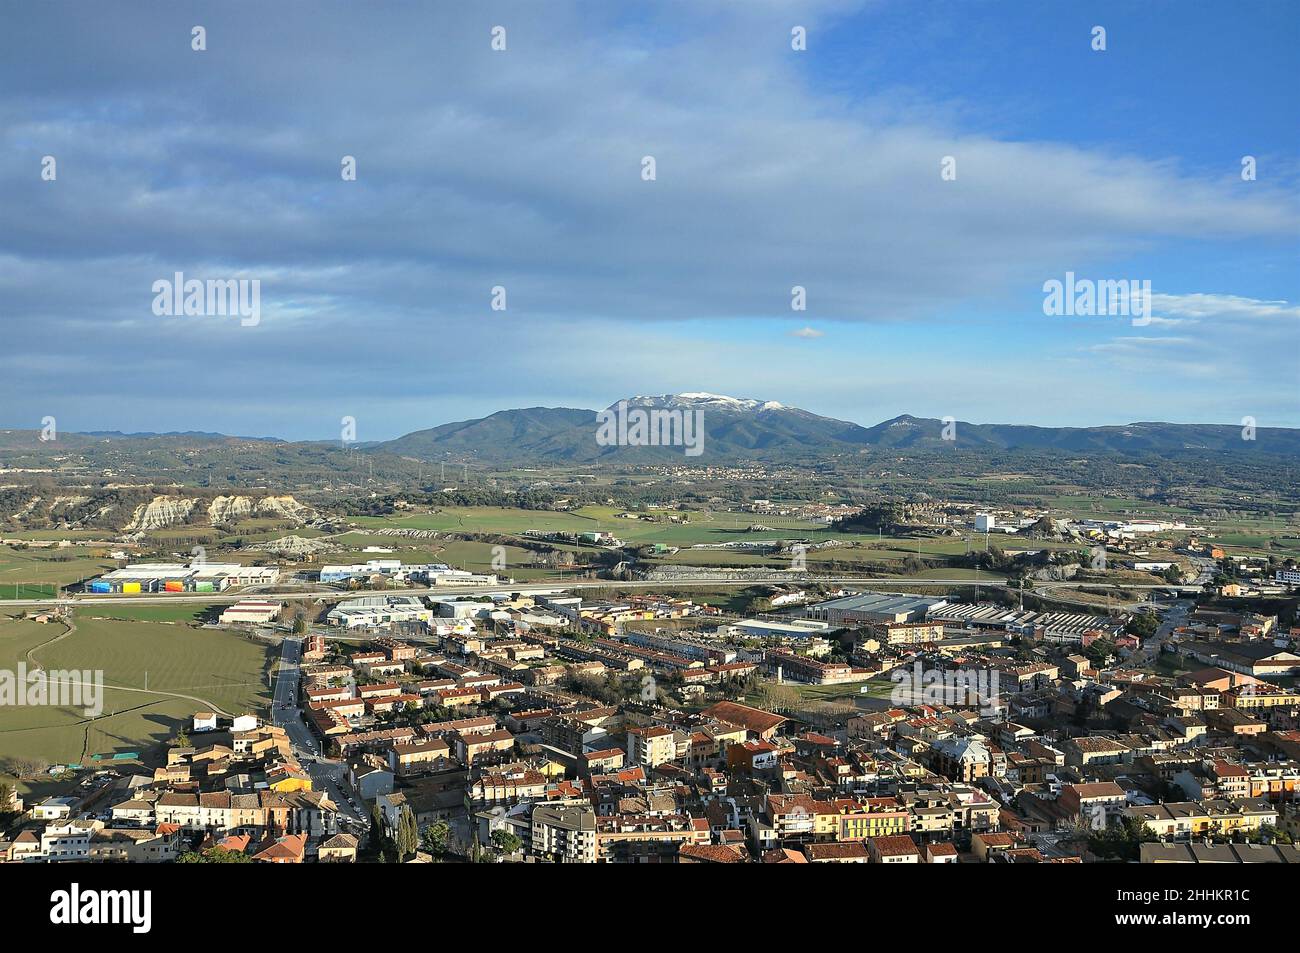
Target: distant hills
734,429
737,428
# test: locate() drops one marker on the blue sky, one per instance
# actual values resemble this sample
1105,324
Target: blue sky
522,168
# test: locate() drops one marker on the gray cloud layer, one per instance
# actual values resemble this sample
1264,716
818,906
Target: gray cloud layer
519,169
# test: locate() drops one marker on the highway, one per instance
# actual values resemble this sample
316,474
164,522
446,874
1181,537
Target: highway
327,594
327,774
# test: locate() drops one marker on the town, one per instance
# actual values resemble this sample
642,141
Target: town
482,437
476,718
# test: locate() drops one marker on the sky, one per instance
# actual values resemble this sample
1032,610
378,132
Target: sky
920,170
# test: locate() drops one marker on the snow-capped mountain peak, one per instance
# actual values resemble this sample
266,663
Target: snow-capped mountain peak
705,400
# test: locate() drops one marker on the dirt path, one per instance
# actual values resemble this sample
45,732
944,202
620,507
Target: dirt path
71,627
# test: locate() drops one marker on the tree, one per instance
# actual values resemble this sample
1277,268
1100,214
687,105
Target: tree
1268,834
214,855
507,842
378,834
434,838
1143,625
1099,650
300,625
1121,841
7,803
406,839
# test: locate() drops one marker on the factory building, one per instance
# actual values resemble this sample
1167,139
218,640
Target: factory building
177,577
371,612
866,607
252,612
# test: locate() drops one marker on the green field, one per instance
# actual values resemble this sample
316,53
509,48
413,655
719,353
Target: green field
28,590
33,573
708,527
179,612
217,668
704,527
875,688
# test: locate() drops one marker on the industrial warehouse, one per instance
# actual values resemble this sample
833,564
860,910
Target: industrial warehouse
177,577
868,608
369,612
430,574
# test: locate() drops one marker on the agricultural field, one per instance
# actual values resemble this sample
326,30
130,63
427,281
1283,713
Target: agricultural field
138,612
859,552
1242,534
34,573
704,527
45,535
521,564
156,674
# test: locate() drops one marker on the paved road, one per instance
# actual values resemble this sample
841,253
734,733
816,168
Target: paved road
327,774
1173,617
332,595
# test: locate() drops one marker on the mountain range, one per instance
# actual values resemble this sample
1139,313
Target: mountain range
733,429
739,428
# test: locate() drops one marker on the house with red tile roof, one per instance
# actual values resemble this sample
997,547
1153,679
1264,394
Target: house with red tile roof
289,849
893,849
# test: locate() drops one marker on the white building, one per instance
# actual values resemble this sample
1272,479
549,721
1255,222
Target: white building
371,567
54,809
458,577
373,611
457,607
198,576
252,612
69,841
793,628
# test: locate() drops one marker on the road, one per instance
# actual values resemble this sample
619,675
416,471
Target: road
327,774
1176,614
1173,617
333,595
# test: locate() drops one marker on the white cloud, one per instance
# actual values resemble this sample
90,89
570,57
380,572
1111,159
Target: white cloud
1243,351
522,169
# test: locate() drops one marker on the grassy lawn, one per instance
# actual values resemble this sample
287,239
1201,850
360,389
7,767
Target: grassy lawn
875,688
